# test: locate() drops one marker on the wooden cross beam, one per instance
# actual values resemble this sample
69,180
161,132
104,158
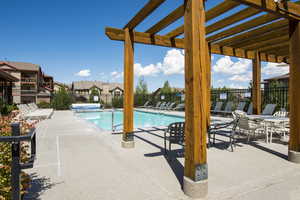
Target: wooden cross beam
158,40
289,10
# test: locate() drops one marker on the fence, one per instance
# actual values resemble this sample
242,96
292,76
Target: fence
16,166
276,95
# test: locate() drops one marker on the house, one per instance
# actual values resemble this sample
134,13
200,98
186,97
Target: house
32,85
82,90
280,81
57,86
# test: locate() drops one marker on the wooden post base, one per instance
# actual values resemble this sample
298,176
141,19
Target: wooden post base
294,157
195,190
128,144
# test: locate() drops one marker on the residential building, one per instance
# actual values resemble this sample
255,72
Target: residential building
58,86
32,85
280,81
82,90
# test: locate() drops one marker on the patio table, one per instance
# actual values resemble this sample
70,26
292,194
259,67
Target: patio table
270,119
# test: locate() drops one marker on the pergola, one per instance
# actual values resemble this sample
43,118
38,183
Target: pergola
265,30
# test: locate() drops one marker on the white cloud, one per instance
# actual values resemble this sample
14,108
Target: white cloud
227,66
234,86
272,69
242,77
116,75
173,62
84,73
149,70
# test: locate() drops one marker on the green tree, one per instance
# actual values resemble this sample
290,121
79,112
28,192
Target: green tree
166,89
62,100
94,92
141,87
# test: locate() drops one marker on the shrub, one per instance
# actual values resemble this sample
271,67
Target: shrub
62,100
44,104
5,108
5,159
94,92
117,102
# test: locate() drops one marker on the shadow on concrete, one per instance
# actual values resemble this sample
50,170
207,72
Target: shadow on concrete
38,186
172,158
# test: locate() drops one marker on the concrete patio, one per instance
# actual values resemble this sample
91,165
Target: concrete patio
76,161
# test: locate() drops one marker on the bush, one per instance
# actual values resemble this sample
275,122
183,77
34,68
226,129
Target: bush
5,108
5,159
117,102
44,104
62,100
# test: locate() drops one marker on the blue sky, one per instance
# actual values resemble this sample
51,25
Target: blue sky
67,39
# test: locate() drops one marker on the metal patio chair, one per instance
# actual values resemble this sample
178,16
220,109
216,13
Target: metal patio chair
176,135
218,107
241,106
269,109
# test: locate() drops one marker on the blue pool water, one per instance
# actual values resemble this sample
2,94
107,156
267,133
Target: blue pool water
141,119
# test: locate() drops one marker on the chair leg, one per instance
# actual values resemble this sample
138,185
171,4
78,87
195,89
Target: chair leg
165,142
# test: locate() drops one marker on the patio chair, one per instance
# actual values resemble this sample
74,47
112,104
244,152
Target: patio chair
218,107
227,129
241,106
249,127
250,109
176,136
269,109
281,114
179,107
228,108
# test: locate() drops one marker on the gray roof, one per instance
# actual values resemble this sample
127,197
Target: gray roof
285,76
85,85
23,65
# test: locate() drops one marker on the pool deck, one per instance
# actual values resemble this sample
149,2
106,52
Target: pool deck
77,161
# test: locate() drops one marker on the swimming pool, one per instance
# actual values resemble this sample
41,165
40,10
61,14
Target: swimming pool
141,119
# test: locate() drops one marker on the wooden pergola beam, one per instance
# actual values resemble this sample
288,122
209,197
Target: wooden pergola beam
243,27
277,46
143,13
236,17
158,40
172,17
262,38
266,43
253,33
210,14
289,10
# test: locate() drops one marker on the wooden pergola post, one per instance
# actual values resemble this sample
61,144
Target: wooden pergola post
256,88
128,136
294,144
195,182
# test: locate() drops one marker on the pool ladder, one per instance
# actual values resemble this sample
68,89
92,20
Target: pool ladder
114,127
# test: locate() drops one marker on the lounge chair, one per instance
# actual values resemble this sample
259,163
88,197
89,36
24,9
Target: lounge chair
161,106
176,135
179,107
157,105
29,112
241,106
164,107
170,107
269,109
250,109
218,107
145,105
228,108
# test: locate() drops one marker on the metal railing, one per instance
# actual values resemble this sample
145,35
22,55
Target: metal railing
16,165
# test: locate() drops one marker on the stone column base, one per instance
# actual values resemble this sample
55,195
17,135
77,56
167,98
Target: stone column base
294,156
195,190
127,144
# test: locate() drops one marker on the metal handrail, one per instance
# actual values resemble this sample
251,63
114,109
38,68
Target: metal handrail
16,165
